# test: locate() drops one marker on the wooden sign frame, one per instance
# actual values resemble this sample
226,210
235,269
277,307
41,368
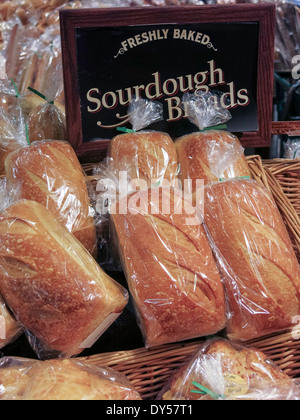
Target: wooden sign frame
264,14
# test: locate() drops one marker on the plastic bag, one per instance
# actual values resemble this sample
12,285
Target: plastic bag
205,109
51,174
146,155
169,267
47,121
52,285
212,154
10,330
12,124
255,257
292,147
61,380
108,185
224,371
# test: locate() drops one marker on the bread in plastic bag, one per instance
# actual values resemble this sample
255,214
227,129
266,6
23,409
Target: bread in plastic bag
221,370
146,155
61,380
47,121
209,154
255,256
51,174
10,330
292,147
12,123
107,184
53,286
169,266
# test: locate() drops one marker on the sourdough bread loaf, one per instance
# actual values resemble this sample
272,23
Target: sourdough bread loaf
169,266
255,256
53,286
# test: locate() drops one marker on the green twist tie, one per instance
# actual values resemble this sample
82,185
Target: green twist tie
215,127
237,177
16,89
295,153
126,130
206,391
27,134
40,95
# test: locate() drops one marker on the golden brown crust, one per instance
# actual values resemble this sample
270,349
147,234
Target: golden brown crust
218,361
197,160
58,380
150,156
61,380
169,268
51,174
263,277
50,282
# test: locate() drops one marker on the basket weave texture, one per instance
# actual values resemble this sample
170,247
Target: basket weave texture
150,369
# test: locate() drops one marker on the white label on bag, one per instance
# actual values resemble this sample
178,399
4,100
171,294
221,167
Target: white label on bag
92,338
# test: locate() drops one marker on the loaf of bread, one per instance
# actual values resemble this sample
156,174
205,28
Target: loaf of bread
6,147
227,371
53,286
9,328
50,174
30,101
210,155
148,156
46,122
169,266
256,258
61,380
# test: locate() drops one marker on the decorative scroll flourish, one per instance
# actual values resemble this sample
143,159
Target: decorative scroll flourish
124,118
210,45
120,52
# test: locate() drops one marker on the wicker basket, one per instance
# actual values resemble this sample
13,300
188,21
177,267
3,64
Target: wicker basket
149,370
287,173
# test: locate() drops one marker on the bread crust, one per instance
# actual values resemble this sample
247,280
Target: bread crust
50,173
150,156
199,155
169,268
54,287
256,258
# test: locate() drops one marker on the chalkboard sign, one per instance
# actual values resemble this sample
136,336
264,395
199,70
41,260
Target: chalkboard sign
112,56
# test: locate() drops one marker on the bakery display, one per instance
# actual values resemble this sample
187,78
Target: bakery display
169,266
49,172
255,257
61,380
219,263
53,286
221,370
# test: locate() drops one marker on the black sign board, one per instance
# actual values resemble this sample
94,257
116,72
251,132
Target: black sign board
159,54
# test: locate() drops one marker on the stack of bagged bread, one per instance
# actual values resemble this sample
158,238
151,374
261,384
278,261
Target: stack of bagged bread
217,257
51,286
213,260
